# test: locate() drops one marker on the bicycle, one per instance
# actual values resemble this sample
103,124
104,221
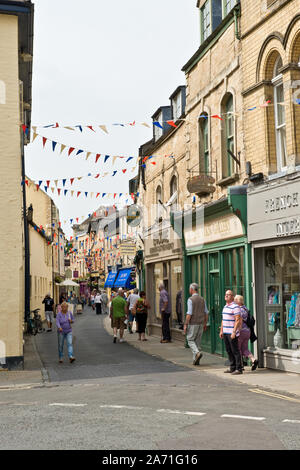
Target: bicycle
34,324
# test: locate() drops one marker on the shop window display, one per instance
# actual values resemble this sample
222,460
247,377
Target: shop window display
282,296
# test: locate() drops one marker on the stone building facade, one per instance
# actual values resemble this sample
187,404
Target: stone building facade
16,37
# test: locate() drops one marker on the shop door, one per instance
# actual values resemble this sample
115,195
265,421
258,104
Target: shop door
215,314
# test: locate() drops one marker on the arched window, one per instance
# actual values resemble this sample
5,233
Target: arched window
173,192
204,147
158,198
228,136
279,115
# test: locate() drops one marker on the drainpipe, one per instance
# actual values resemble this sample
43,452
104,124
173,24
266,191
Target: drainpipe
237,15
26,239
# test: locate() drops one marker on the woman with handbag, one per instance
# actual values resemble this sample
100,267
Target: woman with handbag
140,309
245,332
64,320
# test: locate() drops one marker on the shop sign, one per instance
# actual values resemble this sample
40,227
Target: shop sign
274,212
159,247
127,249
223,228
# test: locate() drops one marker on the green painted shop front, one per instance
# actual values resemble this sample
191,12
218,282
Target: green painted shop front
216,269
221,261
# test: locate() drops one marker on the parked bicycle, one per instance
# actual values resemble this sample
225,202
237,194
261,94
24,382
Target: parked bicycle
34,323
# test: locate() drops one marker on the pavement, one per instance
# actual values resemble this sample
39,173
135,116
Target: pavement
41,368
273,380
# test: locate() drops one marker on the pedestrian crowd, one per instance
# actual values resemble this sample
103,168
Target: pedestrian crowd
236,330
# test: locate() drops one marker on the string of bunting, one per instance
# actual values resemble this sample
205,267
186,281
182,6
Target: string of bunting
72,179
170,122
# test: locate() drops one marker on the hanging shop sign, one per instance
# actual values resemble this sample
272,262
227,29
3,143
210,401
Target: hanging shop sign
127,249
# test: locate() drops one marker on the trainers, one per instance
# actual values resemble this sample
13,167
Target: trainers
122,340
236,372
197,358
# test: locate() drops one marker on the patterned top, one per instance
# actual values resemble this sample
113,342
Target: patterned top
229,314
244,314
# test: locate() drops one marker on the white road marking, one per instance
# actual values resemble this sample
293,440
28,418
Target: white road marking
294,421
118,407
255,418
68,404
189,413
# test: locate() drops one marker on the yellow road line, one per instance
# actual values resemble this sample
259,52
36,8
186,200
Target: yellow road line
274,395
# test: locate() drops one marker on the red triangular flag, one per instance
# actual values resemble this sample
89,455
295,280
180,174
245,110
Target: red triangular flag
48,182
153,163
124,171
98,194
71,150
37,187
44,141
97,157
24,128
26,182
217,117
71,180
78,192
58,190
91,127
171,123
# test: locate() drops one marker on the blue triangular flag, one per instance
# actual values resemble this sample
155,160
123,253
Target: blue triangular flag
46,188
65,191
130,158
53,145
80,128
103,194
115,172
86,194
64,182
157,124
106,158
79,151
40,182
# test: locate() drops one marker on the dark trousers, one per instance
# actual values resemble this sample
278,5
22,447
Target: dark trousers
166,326
234,355
98,309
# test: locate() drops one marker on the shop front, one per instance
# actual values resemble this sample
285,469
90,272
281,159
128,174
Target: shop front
163,262
274,230
219,258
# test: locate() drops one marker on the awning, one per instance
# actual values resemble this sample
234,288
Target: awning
110,280
124,279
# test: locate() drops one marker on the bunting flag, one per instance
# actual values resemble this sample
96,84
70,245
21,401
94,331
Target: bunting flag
134,123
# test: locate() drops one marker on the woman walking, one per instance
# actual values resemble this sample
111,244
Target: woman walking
64,320
244,336
140,309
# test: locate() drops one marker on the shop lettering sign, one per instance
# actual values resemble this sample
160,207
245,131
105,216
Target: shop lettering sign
280,203
287,228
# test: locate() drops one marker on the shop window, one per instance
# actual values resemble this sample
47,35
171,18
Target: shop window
282,296
176,286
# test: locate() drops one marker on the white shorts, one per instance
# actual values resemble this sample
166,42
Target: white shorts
49,316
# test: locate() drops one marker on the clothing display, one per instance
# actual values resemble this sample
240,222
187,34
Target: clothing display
294,311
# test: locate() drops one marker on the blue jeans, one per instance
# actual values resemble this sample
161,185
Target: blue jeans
61,339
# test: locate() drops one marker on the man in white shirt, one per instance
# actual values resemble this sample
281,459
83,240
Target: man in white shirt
132,298
195,322
98,303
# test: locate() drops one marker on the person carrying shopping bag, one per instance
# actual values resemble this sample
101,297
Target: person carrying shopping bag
64,320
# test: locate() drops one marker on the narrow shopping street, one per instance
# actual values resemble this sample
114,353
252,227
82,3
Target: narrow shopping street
144,402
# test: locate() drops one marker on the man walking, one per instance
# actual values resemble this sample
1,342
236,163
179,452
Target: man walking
98,303
132,298
104,302
231,322
49,302
165,311
195,322
118,314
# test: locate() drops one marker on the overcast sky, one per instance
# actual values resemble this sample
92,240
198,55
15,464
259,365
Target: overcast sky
103,62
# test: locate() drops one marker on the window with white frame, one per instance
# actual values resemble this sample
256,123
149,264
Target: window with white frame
177,106
205,20
158,132
279,115
228,6
173,193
